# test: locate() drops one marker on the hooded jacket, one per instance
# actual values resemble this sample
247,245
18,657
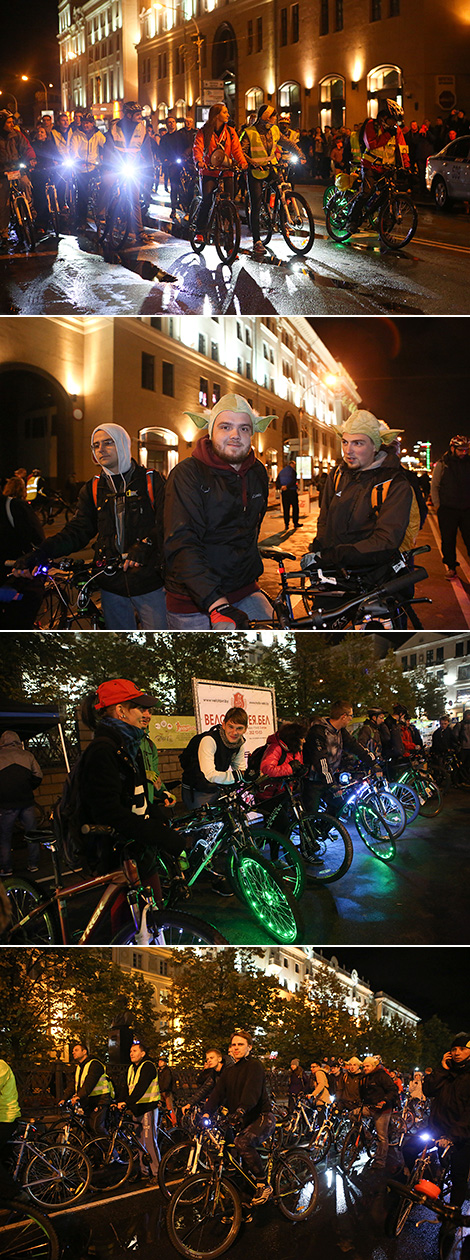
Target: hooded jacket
449,1091
350,532
213,515
20,774
123,521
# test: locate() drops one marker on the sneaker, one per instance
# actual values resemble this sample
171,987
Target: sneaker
220,886
451,574
259,248
263,1193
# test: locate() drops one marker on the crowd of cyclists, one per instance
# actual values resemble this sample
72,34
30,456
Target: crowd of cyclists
80,154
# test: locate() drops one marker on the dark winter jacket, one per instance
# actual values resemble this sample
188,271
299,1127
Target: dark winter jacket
213,515
19,530
324,747
242,1085
376,1087
449,1091
20,774
130,504
350,533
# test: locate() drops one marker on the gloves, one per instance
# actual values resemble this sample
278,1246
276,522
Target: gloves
226,617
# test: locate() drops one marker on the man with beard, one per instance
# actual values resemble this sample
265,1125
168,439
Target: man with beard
214,505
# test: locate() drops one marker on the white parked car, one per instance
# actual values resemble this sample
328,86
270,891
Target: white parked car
448,173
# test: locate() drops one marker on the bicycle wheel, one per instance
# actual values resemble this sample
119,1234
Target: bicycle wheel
393,811
169,927
298,225
25,899
409,799
109,1172
398,220
430,799
283,855
57,1176
264,892
375,831
337,220
325,845
173,1167
296,1185
25,1234
204,1216
226,231
117,222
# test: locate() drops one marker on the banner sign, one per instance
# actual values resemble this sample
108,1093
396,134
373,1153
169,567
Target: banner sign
171,732
213,699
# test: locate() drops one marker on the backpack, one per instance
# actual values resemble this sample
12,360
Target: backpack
67,813
255,758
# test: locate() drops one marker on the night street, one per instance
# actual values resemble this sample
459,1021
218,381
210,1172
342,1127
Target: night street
429,277
349,1219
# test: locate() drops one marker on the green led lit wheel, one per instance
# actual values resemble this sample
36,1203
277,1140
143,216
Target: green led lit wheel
374,830
267,896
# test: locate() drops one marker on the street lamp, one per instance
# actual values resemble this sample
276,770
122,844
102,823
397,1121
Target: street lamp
199,39
28,78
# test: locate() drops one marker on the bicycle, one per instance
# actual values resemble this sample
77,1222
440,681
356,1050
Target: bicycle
54,1176
397,216
223,225
323,841
337,600
283,210
25,1233
41,917
223,827
21,213
416,775
205,1212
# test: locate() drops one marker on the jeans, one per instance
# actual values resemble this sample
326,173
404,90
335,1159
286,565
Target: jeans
256,607
8,818
120,611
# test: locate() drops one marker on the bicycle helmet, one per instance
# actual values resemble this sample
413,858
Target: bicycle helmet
459,443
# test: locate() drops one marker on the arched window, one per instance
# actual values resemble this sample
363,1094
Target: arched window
332,101
253,99
288,99
158,448
385,82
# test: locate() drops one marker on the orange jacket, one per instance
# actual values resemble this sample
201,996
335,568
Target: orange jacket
227,141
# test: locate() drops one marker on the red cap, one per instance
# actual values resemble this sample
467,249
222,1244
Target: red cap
118,690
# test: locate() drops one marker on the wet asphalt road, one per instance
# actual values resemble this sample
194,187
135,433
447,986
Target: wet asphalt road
431,276
348,1220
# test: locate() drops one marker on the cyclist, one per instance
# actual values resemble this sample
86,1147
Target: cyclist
216,146
142,1097
128,141
122,509
368,507
242,1088
15,151
384,144
92,1088
85,148
261,146
214,505
113,784
326,741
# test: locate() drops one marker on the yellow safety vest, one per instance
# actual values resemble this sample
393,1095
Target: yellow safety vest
103,1085
9,1105
152,1093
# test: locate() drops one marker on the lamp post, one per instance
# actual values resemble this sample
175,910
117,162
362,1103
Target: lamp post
199,39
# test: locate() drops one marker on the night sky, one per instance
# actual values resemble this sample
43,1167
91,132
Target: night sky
414,373
430,980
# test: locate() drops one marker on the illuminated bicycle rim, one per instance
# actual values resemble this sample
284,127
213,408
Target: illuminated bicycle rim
271,904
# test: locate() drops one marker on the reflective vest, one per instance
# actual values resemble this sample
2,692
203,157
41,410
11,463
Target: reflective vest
152,1093
259,152
9,1105
136,141
103,1085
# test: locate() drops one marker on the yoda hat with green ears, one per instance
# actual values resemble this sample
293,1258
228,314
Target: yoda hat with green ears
234,403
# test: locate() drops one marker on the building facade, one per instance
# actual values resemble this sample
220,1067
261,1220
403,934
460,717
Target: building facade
62,377
327,61
446,658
